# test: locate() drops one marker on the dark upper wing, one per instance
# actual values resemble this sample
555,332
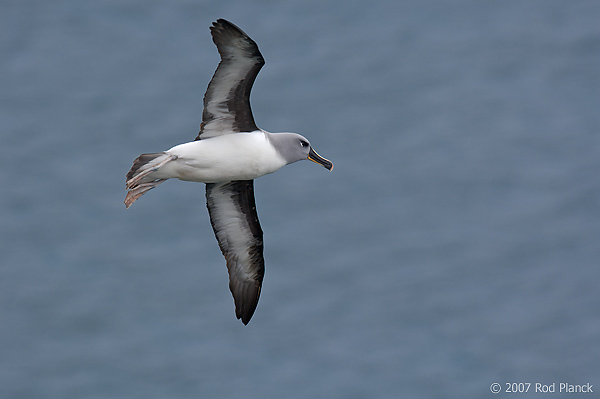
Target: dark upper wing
227,99
234,220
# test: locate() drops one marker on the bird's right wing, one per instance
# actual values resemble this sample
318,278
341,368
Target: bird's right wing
227,99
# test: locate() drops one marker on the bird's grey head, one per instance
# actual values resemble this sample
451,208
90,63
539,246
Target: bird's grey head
293,147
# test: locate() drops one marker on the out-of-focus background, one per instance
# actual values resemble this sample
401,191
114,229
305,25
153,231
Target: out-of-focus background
455,244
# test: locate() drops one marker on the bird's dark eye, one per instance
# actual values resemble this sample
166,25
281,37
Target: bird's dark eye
304,143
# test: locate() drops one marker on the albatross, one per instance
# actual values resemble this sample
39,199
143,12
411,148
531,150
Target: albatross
228,153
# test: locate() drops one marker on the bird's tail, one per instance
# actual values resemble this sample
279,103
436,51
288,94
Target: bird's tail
140,177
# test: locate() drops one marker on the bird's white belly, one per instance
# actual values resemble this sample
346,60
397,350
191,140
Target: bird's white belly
239,156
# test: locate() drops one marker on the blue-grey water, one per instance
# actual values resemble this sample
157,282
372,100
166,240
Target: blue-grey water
455,244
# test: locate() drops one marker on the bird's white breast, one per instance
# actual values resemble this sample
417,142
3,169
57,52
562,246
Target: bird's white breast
237,156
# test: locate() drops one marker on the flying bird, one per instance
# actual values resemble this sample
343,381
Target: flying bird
229,152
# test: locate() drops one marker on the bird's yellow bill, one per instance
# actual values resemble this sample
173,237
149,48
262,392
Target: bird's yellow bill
316,158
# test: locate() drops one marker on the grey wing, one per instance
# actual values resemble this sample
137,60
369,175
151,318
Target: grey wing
234,220
227,99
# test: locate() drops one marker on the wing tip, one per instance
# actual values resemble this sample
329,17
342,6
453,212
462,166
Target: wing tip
225,24
221,26
224,32
245,319
246,304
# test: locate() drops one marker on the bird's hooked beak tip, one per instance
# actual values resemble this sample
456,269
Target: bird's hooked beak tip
316,158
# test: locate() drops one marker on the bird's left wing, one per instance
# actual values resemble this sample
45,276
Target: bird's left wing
227,99
234,220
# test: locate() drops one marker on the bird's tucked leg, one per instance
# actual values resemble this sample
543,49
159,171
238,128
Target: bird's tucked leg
141,189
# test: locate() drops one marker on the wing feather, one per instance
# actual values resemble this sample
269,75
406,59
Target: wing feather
227,99
235,223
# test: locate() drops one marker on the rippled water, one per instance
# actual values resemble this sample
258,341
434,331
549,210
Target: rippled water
454,245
